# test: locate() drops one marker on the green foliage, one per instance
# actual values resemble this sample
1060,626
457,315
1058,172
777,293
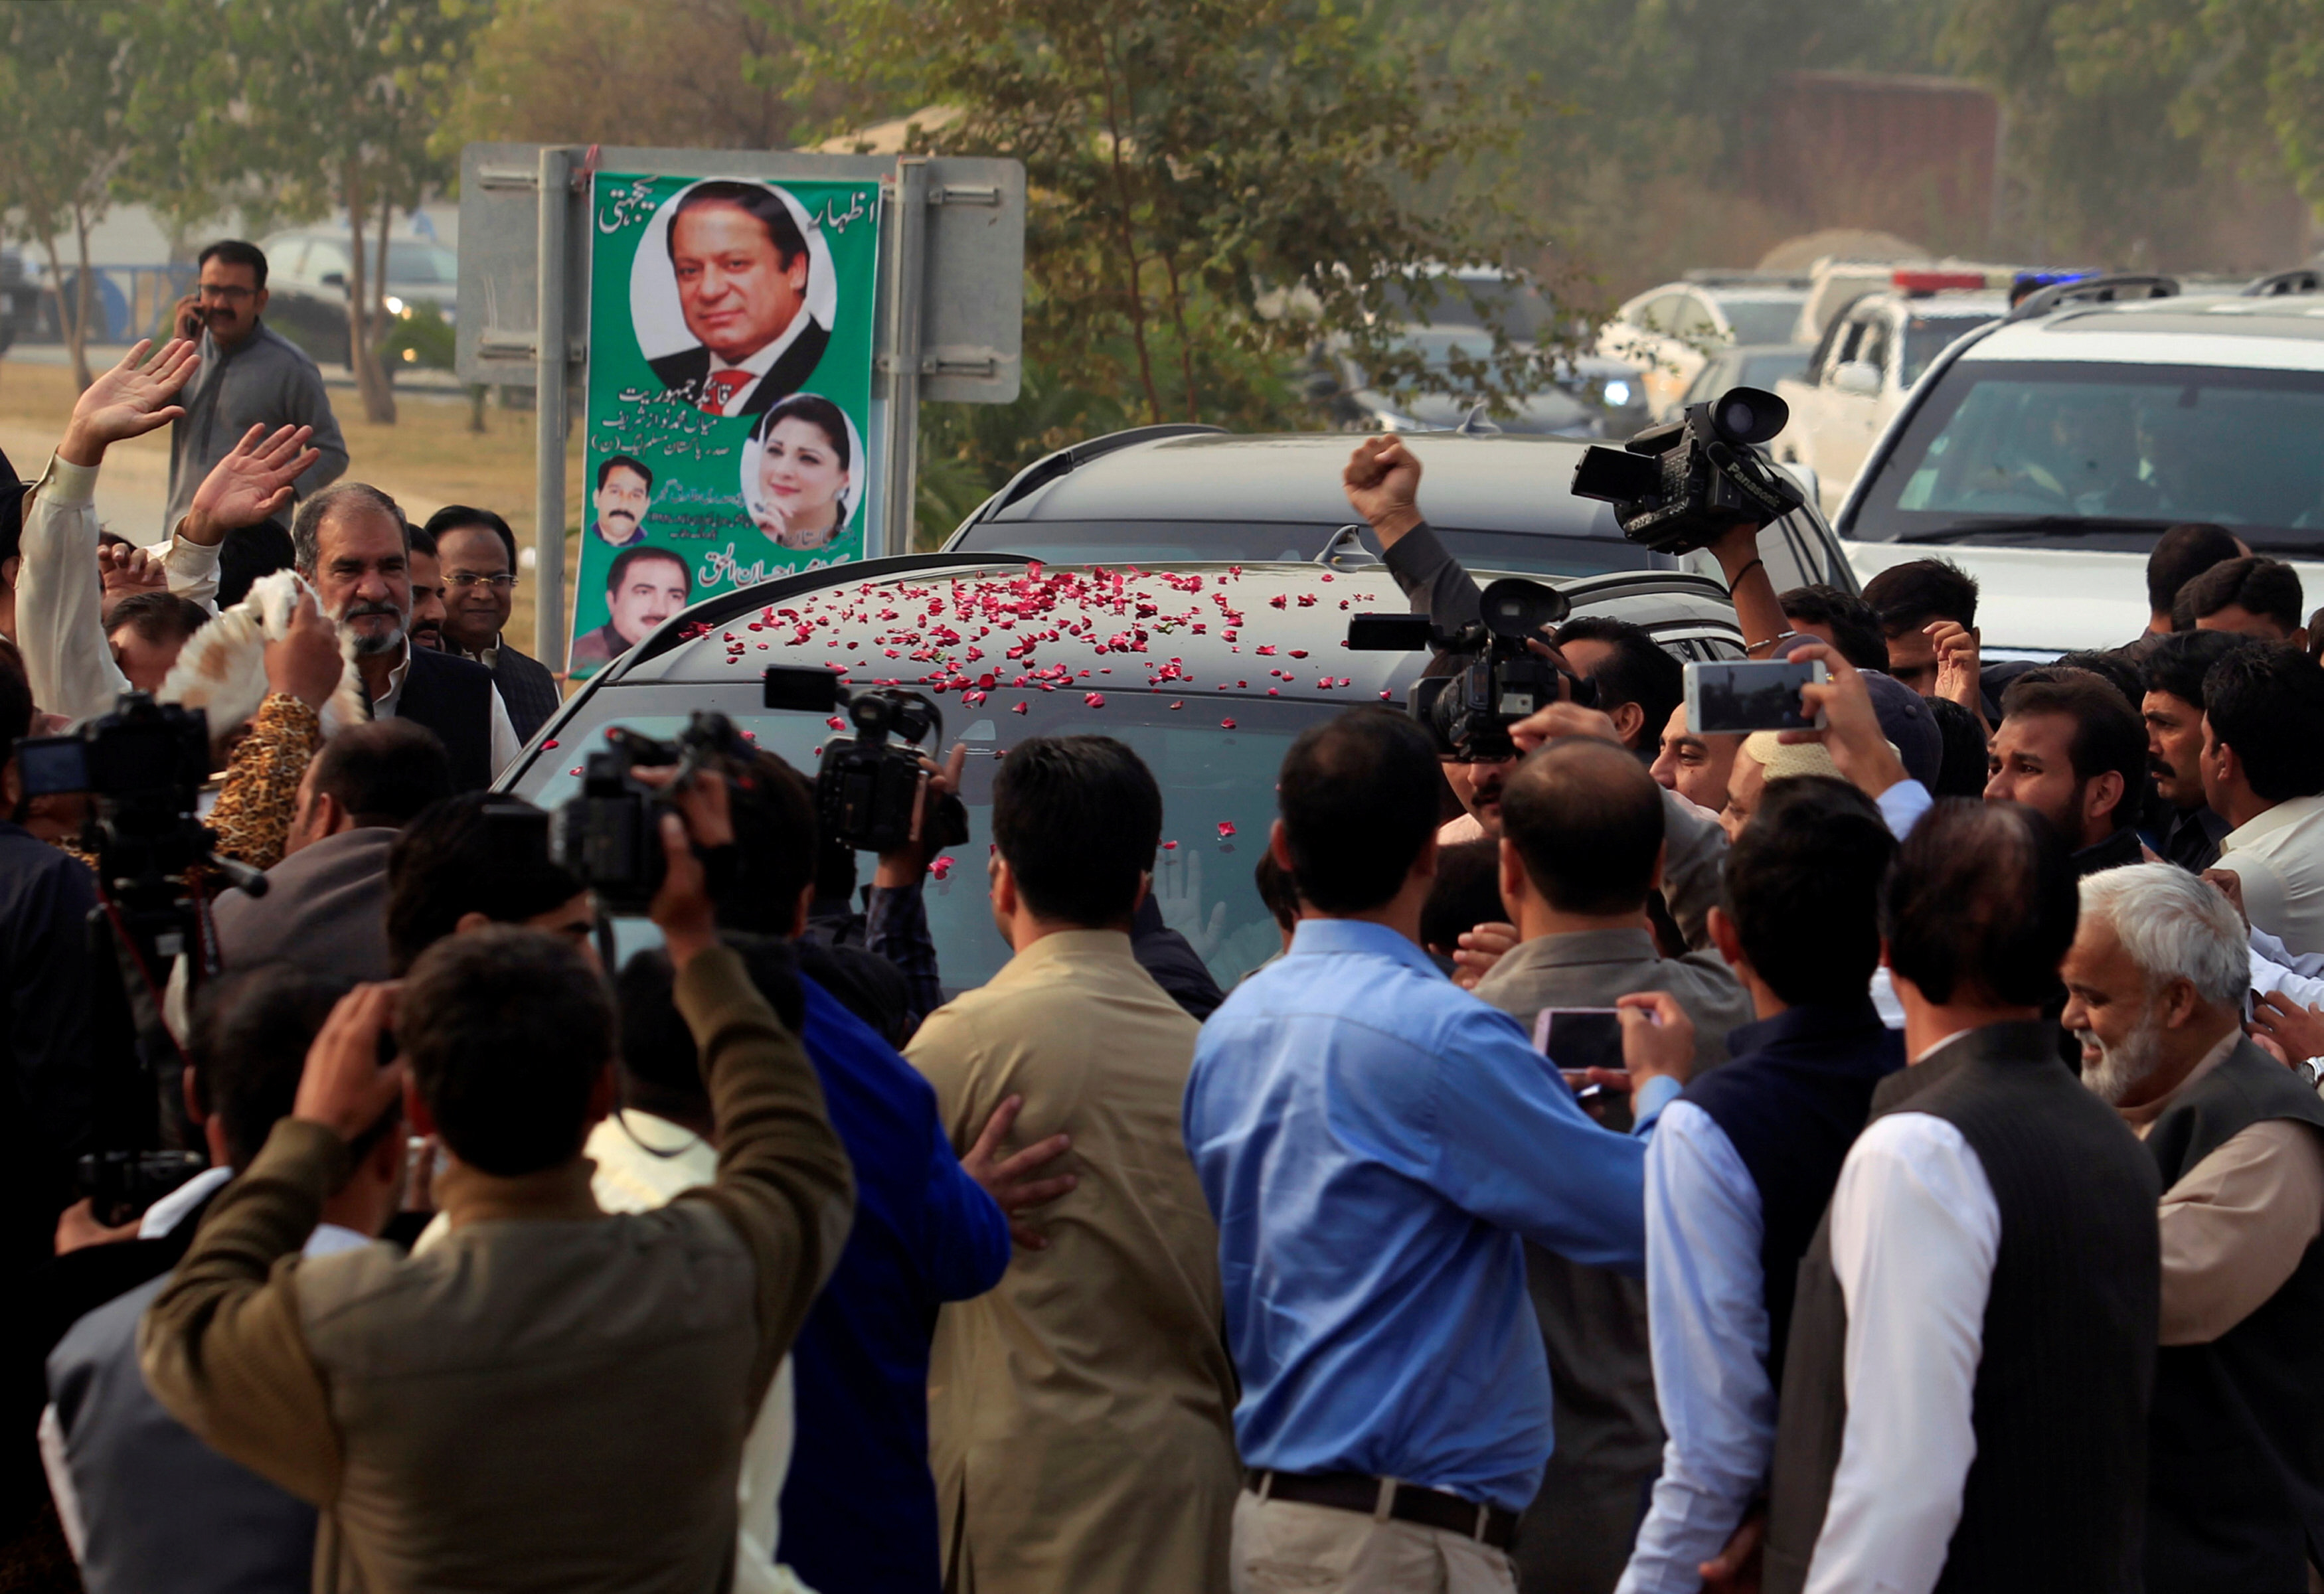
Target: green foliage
315,105
62,139
420,337
1216,186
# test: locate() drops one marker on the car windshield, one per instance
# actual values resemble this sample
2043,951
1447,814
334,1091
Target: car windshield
1764,371
421,262
1460,302
1927,336
2105,455
1218,801
1155,542
1761,320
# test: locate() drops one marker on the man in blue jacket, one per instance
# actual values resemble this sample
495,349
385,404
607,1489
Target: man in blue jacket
859,1511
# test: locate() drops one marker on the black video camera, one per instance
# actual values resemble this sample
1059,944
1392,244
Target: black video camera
1681,486
1496,680
610,835
867,789
142,766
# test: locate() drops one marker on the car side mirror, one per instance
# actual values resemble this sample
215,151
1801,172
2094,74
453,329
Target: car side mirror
334,280
1860,377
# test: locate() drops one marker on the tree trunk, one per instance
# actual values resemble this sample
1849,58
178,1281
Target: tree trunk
363,357
72,313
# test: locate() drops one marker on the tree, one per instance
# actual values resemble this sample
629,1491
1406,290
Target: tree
324,103
686,74
62,140
1216,186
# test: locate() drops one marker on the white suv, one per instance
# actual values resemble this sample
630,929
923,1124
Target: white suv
2046,453
1870,356
1673,330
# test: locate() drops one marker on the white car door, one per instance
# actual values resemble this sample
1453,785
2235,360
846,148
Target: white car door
1851,391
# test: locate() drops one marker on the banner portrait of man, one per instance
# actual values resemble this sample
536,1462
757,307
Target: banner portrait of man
733,300
645,586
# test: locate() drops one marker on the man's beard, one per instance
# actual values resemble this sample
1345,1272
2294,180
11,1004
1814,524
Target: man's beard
2120,1068
372,643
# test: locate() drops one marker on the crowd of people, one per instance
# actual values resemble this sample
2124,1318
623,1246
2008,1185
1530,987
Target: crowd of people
1886,1157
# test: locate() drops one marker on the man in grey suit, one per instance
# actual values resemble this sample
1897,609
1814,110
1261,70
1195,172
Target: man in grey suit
1583,844
326,903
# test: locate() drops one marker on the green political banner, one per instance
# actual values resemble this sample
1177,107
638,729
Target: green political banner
730,393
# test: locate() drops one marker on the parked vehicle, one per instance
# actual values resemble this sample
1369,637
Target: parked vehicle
1671,331
1753,364
1207,669
1859,373
1170,493
1589,397
2045,453
307,276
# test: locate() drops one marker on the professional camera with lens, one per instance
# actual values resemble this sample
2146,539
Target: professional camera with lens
1684,485
869,790
141,767
1495,679
610,835
141,770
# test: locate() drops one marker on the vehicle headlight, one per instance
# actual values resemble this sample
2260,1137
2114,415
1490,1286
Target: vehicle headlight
1618,393
394,305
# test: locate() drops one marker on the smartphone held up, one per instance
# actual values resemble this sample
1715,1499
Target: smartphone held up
1740,696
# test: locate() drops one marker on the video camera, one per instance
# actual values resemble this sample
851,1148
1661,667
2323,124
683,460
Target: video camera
1680,486
868,789
1497,681
610,835
141,768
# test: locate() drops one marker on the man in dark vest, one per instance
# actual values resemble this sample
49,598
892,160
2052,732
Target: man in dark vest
1965,1386
1742,1165
2234,1495
478,553
350,545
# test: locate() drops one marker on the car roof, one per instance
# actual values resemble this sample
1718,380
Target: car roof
1482,484
1226,627
2283,332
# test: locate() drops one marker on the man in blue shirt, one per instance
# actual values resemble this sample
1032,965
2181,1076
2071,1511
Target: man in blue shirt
1377,1145
1743,1164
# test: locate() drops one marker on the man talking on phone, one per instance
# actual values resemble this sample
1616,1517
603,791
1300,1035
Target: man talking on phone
1581,848
249,375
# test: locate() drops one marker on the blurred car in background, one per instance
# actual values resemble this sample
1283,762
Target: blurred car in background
1757,364
307,276
1858,375
1584,397
1579,395
2046,452
1671,332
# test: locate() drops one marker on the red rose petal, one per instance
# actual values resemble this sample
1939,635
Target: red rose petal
1169,846
1094,699
1226,724
940,868
1020,708
1226,829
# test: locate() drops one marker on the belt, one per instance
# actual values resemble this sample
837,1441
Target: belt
1407,1502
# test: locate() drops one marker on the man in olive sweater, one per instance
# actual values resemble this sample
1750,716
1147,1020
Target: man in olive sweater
551,1398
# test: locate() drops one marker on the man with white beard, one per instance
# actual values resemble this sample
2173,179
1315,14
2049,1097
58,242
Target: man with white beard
2235,1465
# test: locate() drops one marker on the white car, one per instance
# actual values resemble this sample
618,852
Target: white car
1870,356
2046,453
1671,331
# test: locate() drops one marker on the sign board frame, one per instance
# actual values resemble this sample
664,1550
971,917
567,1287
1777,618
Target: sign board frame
949,328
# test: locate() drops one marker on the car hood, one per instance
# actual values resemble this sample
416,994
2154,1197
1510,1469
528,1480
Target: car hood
2046,600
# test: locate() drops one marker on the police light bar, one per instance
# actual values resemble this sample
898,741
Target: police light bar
1937,281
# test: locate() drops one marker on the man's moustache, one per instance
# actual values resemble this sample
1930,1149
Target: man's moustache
622,515
356,610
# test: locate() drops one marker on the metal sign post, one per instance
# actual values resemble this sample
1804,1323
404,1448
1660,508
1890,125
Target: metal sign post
950,320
